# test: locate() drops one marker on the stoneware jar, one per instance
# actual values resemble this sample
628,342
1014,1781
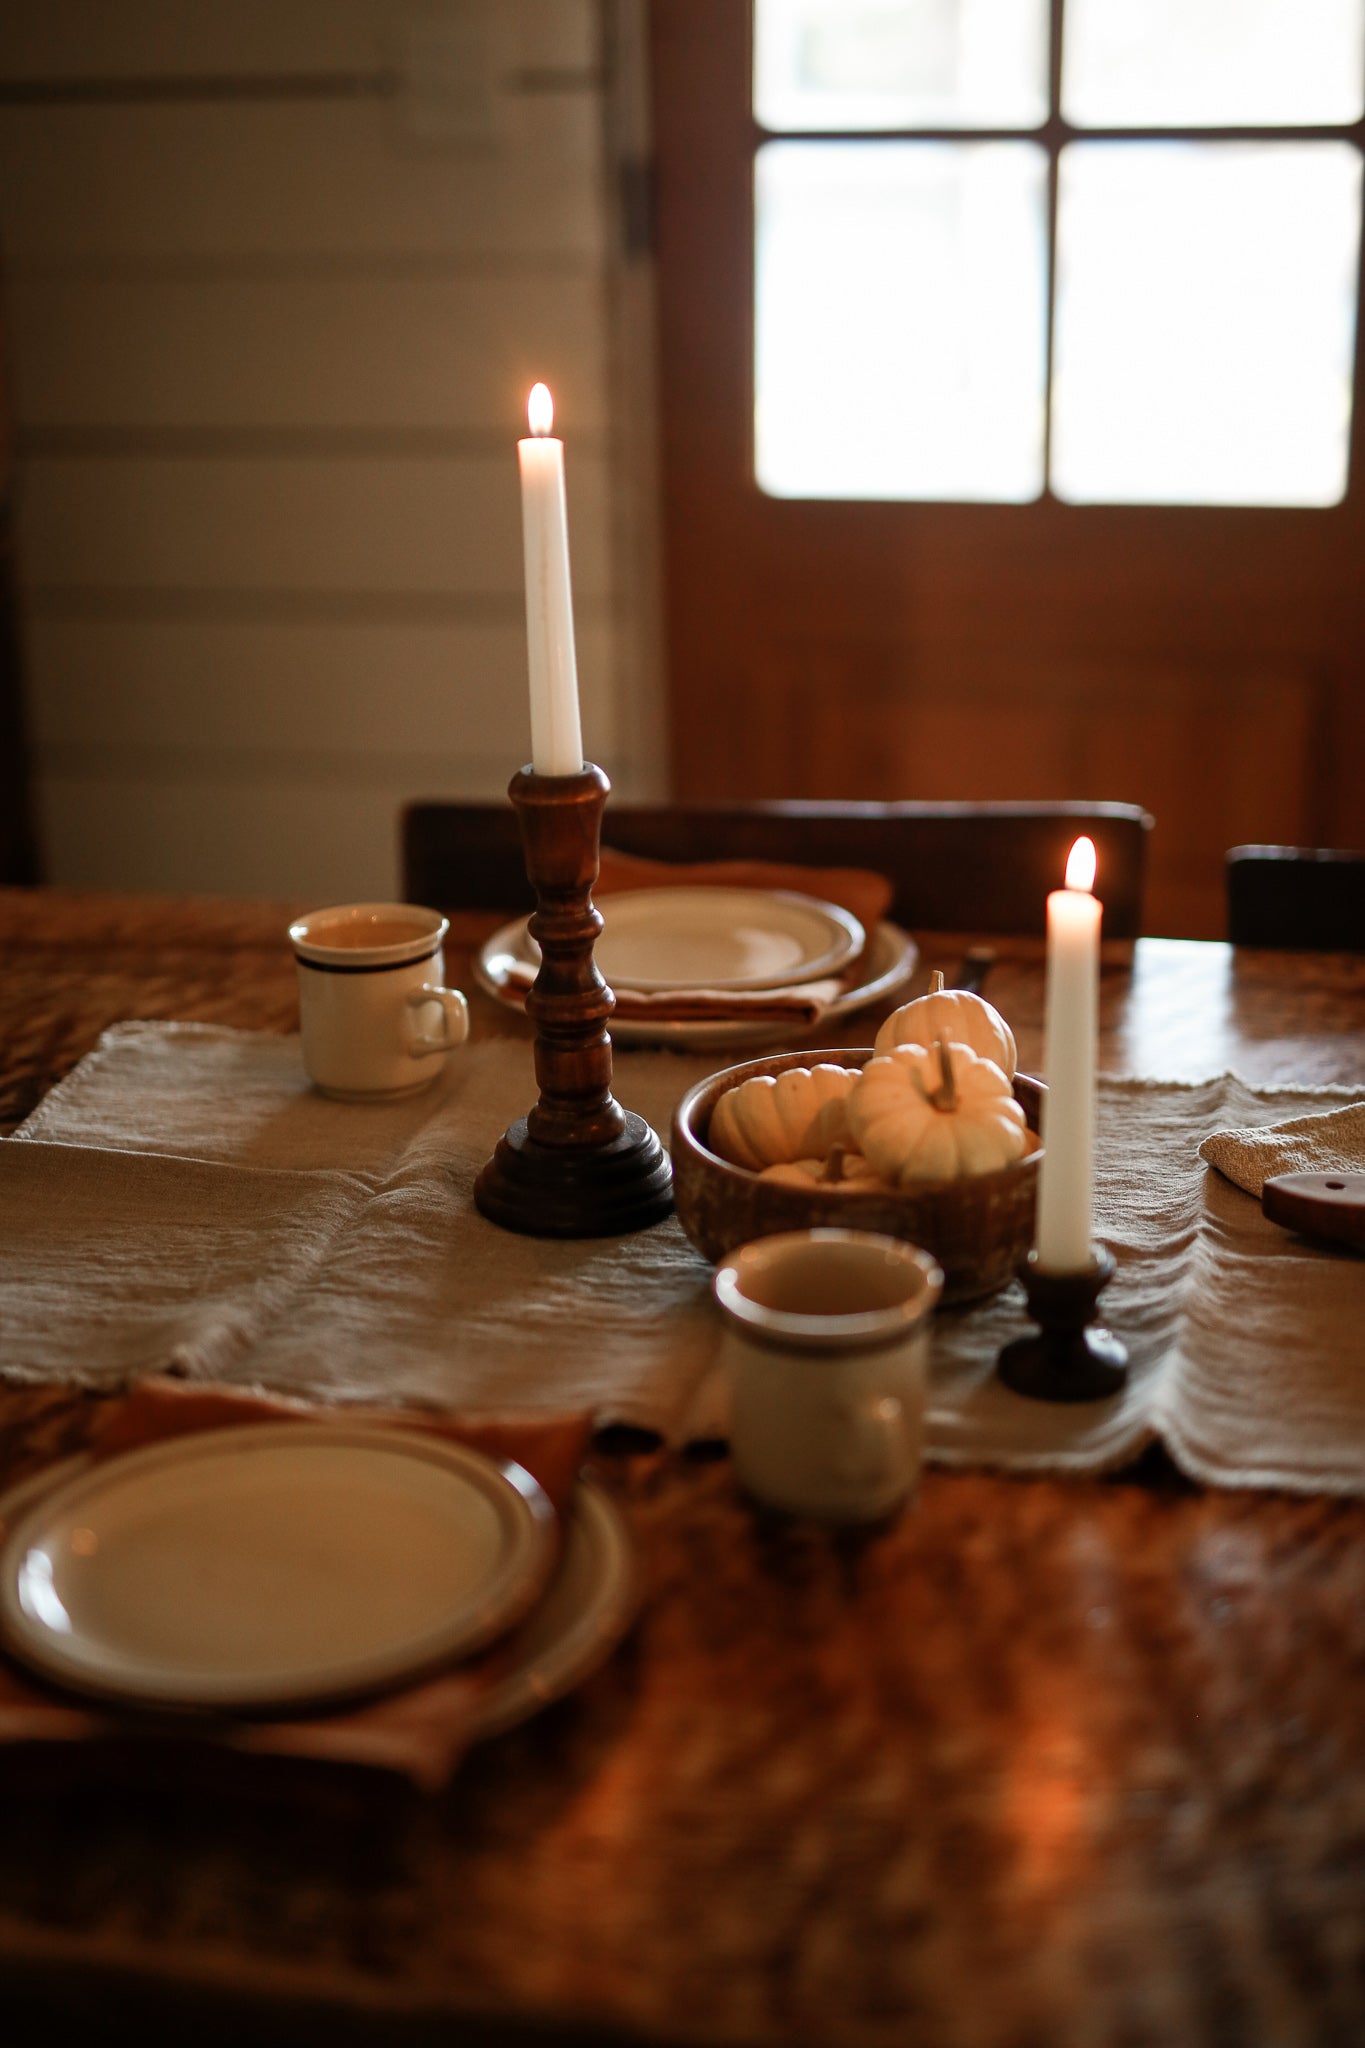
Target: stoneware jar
826,1344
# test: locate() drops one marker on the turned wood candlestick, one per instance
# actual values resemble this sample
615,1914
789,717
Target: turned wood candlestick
577,1165
1067,1360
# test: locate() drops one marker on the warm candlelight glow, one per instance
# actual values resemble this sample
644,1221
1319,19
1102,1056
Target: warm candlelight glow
1080,865
556,736
1070,1028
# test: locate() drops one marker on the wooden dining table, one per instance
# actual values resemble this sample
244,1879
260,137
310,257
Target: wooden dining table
1047,1761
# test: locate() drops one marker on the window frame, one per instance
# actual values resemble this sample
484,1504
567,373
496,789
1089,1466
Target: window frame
1054,135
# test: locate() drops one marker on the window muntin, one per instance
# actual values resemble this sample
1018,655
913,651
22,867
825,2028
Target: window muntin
1200,343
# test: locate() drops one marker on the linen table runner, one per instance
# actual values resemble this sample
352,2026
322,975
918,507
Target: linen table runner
184,1200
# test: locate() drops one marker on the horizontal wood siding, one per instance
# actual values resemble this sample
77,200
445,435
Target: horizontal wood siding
271,339
186,690
358,355
308,182
344,525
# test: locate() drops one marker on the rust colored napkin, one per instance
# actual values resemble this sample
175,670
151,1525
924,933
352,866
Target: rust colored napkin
803,1004
859,890
419,1732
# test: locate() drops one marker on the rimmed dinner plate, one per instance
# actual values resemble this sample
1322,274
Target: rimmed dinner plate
683,938
590,1603
571,1631
503,961
272,1565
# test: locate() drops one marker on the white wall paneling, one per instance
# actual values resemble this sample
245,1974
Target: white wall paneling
352,353
271,40
274,835
279,274
316,689
351,526
303,182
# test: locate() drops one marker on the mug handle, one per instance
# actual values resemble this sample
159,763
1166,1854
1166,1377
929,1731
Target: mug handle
870,1454
454,1019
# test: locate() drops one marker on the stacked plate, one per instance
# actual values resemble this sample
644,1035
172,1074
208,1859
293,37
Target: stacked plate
285,1566
712,953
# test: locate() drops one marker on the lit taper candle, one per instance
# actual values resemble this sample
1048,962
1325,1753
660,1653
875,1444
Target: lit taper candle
556,735
1070,1035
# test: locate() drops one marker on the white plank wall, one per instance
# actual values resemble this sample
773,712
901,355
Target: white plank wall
279,274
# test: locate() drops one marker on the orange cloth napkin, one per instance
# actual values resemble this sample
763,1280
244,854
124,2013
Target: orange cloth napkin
420,1732
866,895
859,890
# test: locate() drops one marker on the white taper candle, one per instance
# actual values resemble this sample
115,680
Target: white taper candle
556,735
1070,1035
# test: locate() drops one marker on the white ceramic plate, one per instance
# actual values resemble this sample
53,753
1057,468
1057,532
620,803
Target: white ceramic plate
272,1565
722,938
585,1610
887,965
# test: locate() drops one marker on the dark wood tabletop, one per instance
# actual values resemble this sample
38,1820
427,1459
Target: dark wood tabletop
1046,1762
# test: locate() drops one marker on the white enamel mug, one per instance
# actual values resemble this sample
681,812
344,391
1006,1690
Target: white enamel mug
375,1017
826,1347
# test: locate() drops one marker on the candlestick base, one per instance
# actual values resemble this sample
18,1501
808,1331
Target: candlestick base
577,1164
1065,1360
544,1191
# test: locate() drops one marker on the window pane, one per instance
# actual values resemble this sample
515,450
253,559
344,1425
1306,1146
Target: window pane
900,63
900,319
1213,63
1205,322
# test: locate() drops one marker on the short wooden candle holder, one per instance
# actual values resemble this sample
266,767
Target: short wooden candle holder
577,1165
1066,1360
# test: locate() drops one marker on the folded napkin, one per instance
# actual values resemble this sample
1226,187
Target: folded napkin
858,890
802,1003
419,1731
1330,1142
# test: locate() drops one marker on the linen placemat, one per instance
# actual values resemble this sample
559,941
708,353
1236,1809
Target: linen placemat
185,1200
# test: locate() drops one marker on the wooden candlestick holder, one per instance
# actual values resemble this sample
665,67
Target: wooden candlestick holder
577,1165
1066,1360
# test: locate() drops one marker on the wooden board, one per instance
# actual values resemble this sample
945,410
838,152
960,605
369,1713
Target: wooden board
355,527
439,692
312,180
352,354
77,39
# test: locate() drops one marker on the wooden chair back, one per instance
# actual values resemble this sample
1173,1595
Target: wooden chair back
1305,898
953,867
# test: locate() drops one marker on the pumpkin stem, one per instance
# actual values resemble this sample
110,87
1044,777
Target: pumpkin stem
945,1095
936,982
833,1169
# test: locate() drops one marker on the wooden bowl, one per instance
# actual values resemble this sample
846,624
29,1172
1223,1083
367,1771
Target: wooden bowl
978,1229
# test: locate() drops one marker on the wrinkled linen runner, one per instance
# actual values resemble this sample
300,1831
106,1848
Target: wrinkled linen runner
184,1200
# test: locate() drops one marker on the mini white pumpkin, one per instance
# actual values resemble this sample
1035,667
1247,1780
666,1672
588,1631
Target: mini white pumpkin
844,1171
957,1014
771,1119
935,1115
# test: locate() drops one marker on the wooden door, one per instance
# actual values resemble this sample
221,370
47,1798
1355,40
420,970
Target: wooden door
1208,663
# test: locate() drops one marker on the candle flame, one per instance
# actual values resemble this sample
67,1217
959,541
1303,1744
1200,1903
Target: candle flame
540,409
1080,865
